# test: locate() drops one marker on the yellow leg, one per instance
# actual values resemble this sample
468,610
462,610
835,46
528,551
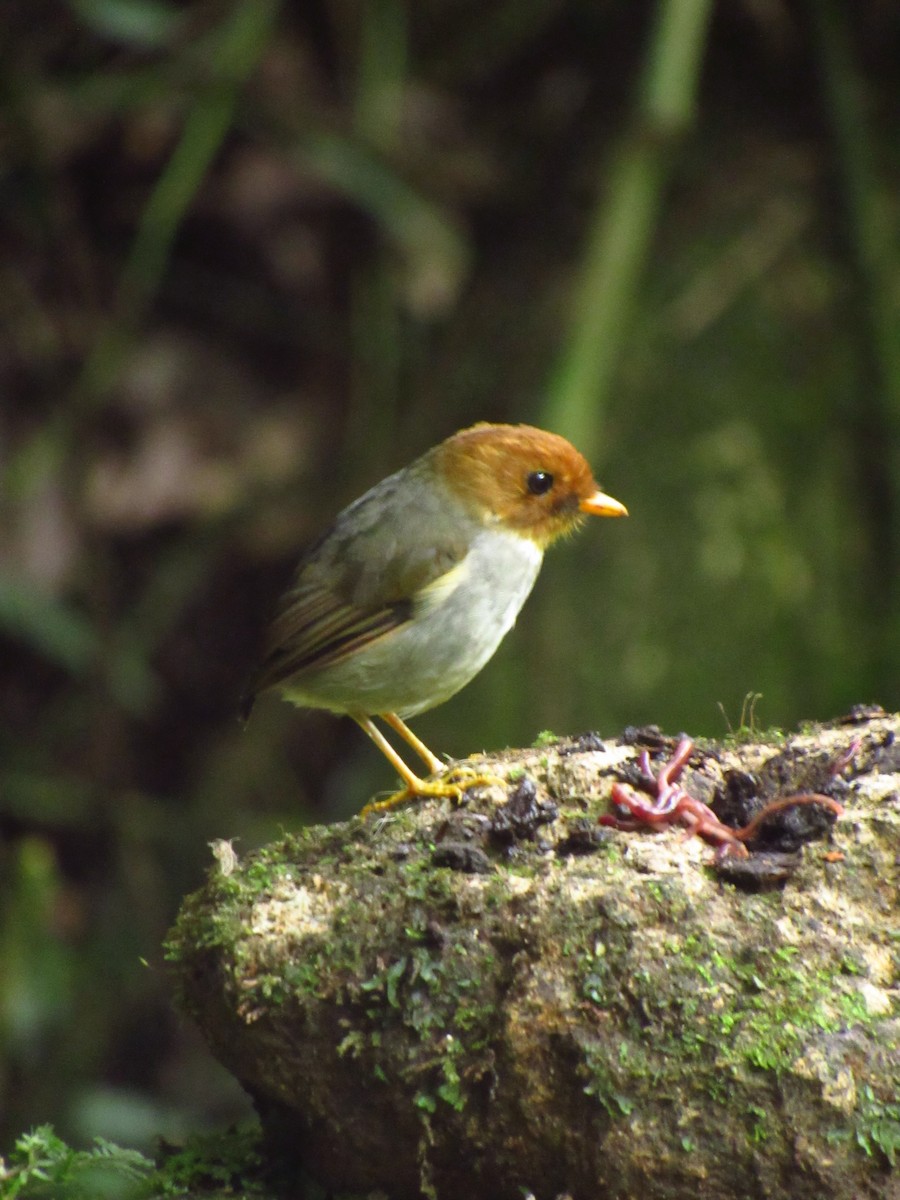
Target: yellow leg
431,761
415,786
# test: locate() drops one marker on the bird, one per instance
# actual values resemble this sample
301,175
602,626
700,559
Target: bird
408,594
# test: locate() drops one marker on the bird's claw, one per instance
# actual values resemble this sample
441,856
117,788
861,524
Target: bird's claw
452,786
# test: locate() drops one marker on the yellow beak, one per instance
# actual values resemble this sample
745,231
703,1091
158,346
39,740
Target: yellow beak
601,505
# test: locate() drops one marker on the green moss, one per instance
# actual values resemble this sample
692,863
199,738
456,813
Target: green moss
759,1123
593,970
442,992
420,997
700,1019
605,1086
545,738
451,1089
877,1125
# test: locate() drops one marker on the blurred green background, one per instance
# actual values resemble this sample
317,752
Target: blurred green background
256,256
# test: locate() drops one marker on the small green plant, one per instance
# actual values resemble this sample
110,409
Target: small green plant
43,1167
878,1127
224,1163
746,726
545,738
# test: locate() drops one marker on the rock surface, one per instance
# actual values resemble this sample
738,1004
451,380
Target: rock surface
499,998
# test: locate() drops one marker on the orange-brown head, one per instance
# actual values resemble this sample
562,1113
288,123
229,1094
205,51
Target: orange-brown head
523,479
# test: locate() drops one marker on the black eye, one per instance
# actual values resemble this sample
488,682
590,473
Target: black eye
539,482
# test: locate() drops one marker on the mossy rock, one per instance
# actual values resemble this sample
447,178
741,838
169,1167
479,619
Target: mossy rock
498,998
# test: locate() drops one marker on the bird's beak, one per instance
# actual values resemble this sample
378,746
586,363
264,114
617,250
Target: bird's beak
601,505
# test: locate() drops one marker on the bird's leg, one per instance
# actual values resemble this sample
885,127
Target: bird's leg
458,776
452,785
431,761
415,786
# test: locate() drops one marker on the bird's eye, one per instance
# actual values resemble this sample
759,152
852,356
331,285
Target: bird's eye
539,482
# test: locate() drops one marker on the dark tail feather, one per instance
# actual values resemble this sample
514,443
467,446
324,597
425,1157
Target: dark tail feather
245,708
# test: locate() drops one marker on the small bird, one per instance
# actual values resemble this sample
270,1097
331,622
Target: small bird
409,593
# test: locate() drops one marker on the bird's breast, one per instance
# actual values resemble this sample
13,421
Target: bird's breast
457,624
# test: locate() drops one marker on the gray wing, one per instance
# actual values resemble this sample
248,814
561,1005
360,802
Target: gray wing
361,582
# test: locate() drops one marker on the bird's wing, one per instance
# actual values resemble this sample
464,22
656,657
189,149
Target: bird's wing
367,598
315,629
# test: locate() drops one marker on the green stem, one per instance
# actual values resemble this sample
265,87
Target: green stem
875,415
239,44
624,223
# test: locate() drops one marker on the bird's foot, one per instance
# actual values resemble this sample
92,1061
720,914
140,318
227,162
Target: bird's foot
453,786
467,778
424,789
